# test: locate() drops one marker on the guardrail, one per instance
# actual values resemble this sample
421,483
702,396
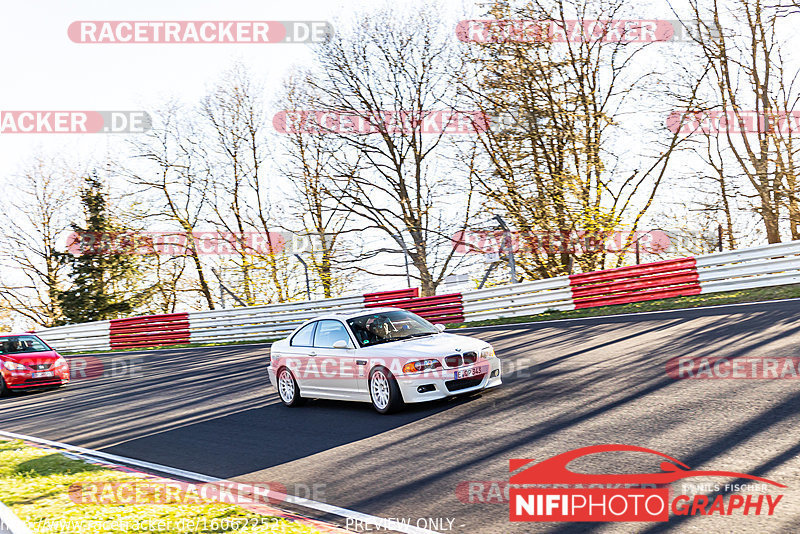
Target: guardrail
768,265
262,322
79,337
527,298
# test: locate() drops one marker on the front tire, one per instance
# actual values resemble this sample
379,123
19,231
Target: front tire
288,390
384,391
3,387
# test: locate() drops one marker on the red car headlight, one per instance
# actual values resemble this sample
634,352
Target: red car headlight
13,366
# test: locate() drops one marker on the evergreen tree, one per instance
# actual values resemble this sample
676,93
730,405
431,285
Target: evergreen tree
101,274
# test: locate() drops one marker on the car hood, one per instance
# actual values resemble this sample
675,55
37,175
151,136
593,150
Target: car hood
31,358
437,345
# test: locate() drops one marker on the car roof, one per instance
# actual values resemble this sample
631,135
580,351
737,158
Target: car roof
344,315
15,334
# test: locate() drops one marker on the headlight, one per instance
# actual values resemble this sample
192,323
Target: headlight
422,365
60,362
487,353
11,366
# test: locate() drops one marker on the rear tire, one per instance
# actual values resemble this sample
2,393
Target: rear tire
288,390
384,391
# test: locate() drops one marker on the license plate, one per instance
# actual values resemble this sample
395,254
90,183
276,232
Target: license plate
467,373
43,374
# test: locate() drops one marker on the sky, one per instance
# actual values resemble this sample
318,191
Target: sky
44,70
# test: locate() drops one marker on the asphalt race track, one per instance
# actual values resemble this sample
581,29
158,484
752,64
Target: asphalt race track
568,384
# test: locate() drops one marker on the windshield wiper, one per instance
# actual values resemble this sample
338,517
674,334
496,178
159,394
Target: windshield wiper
421,334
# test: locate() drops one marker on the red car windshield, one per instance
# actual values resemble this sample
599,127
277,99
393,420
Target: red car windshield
22,345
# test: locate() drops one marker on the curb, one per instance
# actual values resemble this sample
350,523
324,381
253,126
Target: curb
10,523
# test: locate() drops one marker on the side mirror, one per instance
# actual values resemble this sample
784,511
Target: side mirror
441,327
341,344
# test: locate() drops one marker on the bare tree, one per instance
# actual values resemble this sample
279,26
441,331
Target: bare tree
240,188
311,164
555,158
391,180
739,42
176,177
35,222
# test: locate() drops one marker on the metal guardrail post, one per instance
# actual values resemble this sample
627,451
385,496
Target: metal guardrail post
228,291
305,268
509,246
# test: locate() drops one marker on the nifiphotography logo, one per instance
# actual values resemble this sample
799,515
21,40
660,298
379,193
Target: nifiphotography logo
575,496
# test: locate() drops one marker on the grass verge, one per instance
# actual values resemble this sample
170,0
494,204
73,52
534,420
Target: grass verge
760,294
35,484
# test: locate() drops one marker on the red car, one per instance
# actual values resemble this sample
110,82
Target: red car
28,362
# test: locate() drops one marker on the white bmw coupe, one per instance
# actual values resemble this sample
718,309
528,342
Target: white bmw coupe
389,357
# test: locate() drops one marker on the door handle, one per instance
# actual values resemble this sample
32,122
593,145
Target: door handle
312,353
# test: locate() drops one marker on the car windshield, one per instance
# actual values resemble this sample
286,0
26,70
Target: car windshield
389,326
22,345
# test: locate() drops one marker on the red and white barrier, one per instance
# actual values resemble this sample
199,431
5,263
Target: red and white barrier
637,283
149,331
769,265
439,309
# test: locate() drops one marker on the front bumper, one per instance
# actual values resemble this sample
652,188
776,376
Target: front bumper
440,384
24,379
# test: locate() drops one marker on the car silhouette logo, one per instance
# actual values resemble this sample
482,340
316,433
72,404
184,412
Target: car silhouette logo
554,470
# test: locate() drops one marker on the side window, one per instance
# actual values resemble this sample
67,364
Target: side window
328,333
304,336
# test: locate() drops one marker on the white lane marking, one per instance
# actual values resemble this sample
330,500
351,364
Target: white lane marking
11,523
387,524
633,314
